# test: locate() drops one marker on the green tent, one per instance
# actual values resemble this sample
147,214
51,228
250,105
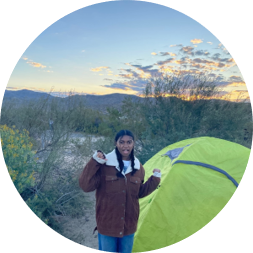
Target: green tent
199,176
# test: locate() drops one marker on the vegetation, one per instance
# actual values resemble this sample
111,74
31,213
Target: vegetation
45,161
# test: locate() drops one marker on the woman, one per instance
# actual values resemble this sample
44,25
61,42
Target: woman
118,180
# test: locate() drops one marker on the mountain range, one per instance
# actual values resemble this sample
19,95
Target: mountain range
98,102
91,101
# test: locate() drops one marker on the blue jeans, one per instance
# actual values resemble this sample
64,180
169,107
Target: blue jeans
116,244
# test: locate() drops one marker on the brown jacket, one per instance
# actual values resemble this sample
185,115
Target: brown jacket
117,205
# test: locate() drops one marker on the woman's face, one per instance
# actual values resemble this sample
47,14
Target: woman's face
125,146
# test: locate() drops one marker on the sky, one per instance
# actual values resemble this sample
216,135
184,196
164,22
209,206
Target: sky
116,47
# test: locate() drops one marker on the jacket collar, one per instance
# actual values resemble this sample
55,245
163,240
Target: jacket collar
113,161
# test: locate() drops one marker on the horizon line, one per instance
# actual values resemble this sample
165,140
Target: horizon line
68,94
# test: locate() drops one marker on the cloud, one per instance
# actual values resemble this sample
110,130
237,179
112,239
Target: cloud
138,84
195,65
177,45
203,63
130,75
211,43
196,41
99,69
183,60
201,52
236,79
169,60
140,67
187,50
143,71
36,64
108,79
216,56
131,72
134,85
210,63
83,51
167,53
117,86
212,75
231,60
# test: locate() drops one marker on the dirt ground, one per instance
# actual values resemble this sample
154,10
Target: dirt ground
80,230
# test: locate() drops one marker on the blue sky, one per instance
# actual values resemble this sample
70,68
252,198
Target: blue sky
115,47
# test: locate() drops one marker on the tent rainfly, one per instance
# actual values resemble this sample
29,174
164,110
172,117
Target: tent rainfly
199,176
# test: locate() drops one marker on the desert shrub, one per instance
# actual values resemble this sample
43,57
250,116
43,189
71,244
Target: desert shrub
21,164
18,156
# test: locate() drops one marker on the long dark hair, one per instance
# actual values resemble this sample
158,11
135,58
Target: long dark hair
120,134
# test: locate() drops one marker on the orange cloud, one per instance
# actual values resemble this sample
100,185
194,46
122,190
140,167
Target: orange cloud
144,75
98,69
166,69
127,75
185,61
232,61
36,64
153,53
196,41
237,84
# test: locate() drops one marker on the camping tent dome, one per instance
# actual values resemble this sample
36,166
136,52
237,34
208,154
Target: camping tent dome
199,176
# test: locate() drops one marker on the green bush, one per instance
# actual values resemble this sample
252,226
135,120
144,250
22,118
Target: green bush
20,163
19,157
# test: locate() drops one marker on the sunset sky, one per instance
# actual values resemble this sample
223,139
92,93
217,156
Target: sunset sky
115,47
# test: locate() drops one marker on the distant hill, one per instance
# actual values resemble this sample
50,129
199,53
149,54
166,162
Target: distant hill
24,94
92,101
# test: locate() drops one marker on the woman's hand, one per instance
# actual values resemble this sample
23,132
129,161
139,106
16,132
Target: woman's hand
156,170
101,155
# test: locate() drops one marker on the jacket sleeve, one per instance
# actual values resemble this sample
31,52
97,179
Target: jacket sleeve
89,179
149,186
